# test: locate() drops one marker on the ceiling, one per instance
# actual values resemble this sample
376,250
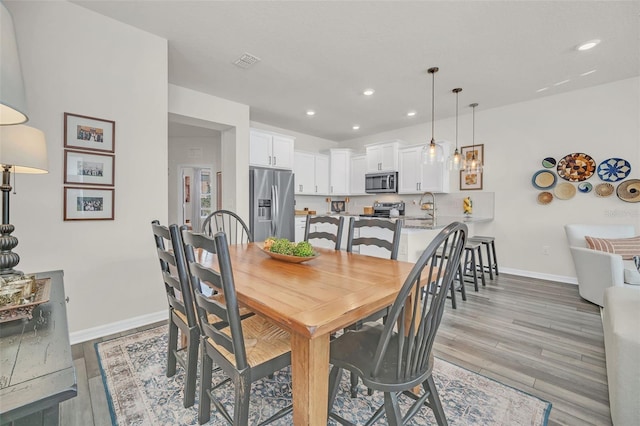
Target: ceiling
321,55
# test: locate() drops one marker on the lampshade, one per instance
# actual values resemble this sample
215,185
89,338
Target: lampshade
24,148
13,105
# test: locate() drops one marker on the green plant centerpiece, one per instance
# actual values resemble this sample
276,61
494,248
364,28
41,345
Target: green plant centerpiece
288,248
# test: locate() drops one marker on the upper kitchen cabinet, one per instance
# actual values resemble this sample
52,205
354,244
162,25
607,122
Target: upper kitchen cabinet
383,157
339,176
311,173
416,177
358,170
268,149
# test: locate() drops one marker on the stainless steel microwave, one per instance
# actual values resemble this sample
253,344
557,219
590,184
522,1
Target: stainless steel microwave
376,183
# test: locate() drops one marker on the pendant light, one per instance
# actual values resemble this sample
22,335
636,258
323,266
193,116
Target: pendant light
432,153
474,165
455,162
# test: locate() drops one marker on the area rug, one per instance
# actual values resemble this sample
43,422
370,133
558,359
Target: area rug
139,393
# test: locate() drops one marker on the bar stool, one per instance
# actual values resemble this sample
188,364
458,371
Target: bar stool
490,245
460,278
470,266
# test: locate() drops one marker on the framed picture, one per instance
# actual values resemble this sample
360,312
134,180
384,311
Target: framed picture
89,133
467,152
88,168
88,203
470,181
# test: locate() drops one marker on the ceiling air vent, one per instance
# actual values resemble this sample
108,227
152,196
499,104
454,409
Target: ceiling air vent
246,60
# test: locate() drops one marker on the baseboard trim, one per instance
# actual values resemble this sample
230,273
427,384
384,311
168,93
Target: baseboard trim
116,327
541,276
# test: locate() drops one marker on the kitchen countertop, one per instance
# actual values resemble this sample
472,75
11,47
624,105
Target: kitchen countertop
420,223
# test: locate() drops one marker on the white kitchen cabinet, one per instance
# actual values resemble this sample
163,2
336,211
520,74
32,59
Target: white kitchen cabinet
339,176
268,149
415,177
300,224
383,157
311,173
358,170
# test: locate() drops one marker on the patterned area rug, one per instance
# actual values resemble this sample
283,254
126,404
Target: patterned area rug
139,393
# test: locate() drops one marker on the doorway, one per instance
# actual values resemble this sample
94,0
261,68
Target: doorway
197,195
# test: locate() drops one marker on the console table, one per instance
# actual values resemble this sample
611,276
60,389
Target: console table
36,366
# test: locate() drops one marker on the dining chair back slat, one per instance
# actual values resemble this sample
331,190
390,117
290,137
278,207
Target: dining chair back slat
335,237
363,225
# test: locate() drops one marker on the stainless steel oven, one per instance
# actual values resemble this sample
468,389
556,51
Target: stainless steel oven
376,183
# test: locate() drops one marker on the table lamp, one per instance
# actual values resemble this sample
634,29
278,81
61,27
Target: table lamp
13,105
23,149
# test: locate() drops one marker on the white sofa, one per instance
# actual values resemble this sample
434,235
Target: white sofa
598,270
621,325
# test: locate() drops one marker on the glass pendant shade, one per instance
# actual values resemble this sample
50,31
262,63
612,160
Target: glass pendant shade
455,162
474,165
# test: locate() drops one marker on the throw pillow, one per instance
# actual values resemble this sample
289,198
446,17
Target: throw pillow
626,247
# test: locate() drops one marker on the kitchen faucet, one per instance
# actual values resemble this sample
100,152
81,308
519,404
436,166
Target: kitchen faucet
430,211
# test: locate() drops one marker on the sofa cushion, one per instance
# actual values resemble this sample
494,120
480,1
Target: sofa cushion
631,273
626,247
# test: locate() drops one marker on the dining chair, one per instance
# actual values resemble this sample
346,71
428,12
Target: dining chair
181,308
335,237
374,231
371,232
396,356
246,350
228,222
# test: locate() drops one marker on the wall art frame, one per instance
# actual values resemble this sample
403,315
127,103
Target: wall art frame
82,203
89,133
467,152
470,181
88,168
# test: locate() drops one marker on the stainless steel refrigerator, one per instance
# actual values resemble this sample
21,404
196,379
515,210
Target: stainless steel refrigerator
271,203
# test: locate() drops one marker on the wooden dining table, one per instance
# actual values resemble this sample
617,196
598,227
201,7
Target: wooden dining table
311,300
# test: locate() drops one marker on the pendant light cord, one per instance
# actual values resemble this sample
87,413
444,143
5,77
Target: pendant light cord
433,104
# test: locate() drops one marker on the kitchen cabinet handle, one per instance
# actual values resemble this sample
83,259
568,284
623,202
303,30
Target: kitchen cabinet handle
316,188
269,160
274,160
300,188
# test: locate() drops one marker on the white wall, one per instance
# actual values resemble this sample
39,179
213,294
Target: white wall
602,121
180,150
77,61
233,118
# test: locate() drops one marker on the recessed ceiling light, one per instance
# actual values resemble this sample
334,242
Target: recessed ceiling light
356,127
560,83
588,45
587,73
542,90
311,112
368,92
411,113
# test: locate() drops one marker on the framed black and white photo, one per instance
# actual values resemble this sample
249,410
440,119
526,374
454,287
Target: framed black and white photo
89,133
88,168
88,203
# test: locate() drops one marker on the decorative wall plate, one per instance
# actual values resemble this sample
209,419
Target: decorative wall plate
629,191
545,197
604,189
564,191
543,179
549,163
614,169
585,187
576,167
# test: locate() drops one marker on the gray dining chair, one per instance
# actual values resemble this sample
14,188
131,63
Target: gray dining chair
228,222
181,308
247,350
396,356
335,237
379,227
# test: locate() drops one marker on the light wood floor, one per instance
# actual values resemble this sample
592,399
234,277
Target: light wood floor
534,335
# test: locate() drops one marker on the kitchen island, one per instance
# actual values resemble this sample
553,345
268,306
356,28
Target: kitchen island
417,233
